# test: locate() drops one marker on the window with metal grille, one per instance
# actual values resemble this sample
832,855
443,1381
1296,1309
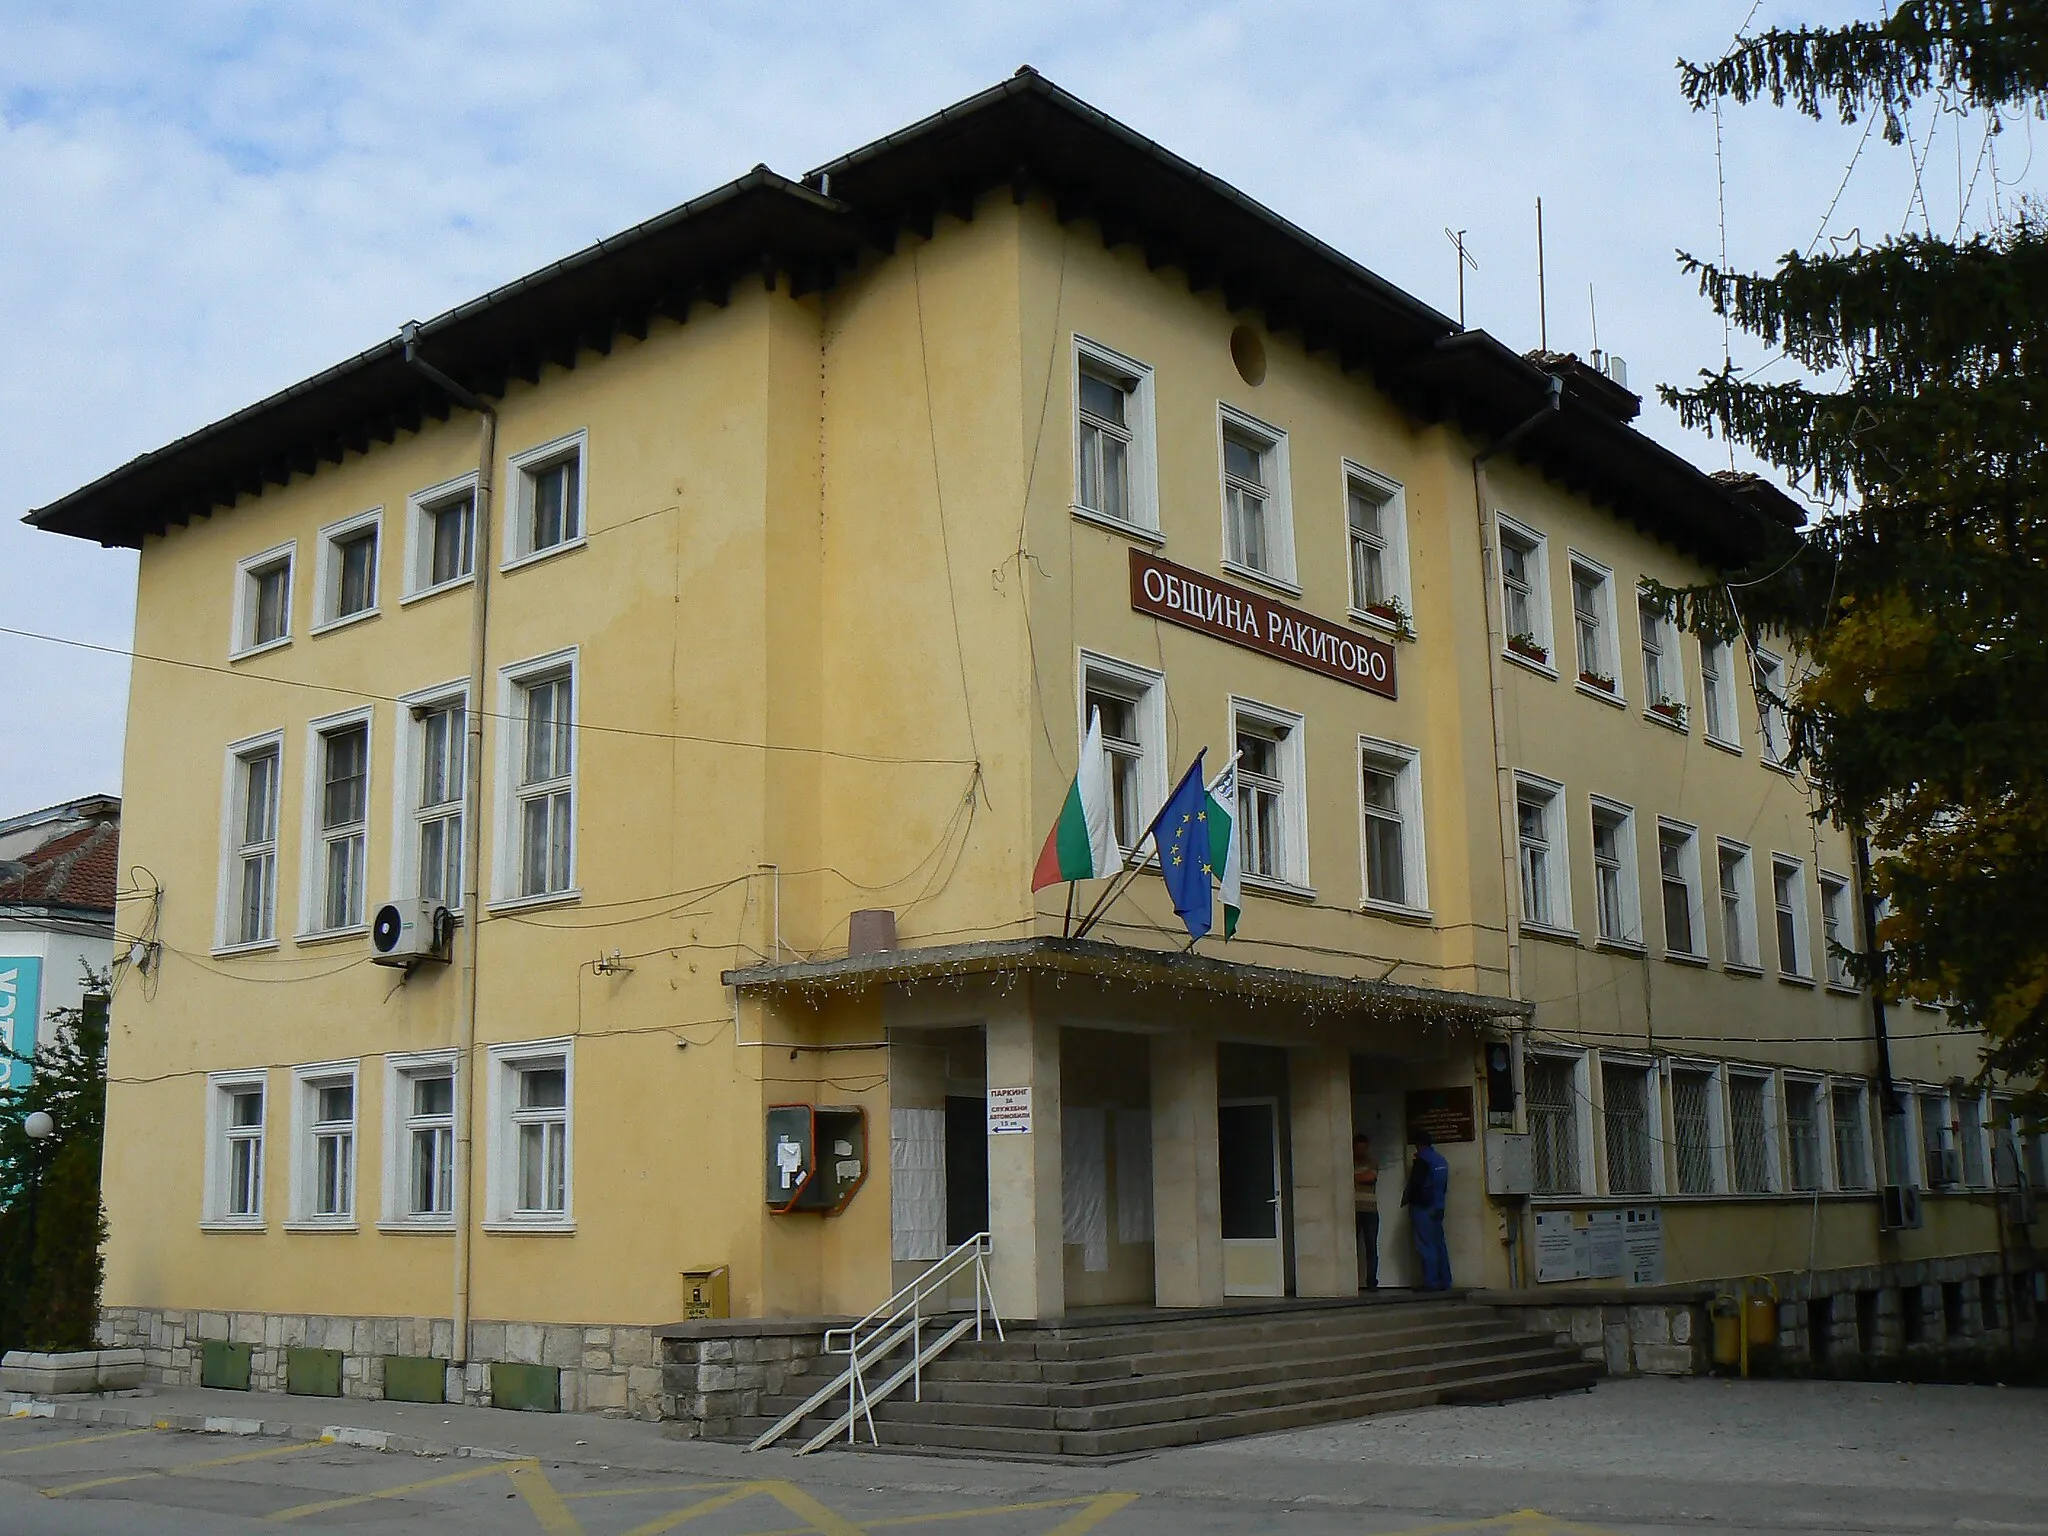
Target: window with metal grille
1852,1137
1749,1140
1552,1084
1802,1134
1625,1091
1692,1129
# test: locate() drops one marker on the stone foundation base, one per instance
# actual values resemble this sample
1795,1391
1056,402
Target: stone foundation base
715,1373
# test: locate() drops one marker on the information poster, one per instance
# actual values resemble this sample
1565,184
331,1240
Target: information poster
1009,1111
1606,1244
1643,1236
1561,1247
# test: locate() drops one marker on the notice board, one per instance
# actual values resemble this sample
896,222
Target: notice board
1442,1114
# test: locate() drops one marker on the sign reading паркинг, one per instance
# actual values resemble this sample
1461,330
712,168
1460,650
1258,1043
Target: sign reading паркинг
1188,598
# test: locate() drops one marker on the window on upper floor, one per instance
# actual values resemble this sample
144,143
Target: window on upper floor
1593,625
543,777
442,541
1678,873
263,600
1375,520
1114,478
1838,928
433,771
1663,670
1738,906
1546,879
339,803
1524,592
1131,703
345,570
1773,733
249,883
1557,1110
1271,797
1788,893
1717,692
1628,1114
1390,798
548,486
1617,898
1258,532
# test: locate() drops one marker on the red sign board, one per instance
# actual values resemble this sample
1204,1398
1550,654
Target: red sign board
1194,601
1443,1114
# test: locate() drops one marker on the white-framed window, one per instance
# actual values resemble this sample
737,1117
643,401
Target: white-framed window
263,600
1525,593
537,767
1390,803
1774,735
1272,799
1617,894
1628,1113
1258,519
1752,1138
1849,1118
235,1115
1115,476
432,771
324,1144
1593,625
248,877
345,570
1788,899
1540,835
548,486
1902,1159
1678,877
1838,928
1806,1134
1717,693
1937,1139
1376,538
1559,1121
532,1167
1738,906
440,536
1972,1140
419,1140
337,824
1696,1138
1663,662
1131,701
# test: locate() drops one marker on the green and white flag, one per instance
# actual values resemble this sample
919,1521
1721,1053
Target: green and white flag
1224,859
1082,843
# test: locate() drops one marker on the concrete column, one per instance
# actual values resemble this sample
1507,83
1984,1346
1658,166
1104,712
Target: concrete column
1325,1231
1187,1201
1025,1267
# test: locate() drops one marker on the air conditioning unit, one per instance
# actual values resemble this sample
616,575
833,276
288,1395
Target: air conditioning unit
407,932
1944,1168
2019,1207
1901,1208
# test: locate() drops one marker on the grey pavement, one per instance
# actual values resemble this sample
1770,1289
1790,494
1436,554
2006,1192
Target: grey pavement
1636,1456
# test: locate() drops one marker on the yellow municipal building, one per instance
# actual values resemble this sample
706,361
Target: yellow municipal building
677,657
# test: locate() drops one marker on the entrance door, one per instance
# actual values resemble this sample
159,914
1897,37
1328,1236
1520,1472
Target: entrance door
1248,1168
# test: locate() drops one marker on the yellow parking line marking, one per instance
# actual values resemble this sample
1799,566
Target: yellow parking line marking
533,1486
824,1521
983,1512
708,1506
56,1445
650,1490
468,1474
1097,1510
196,1466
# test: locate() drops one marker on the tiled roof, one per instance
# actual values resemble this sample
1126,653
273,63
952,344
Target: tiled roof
77,870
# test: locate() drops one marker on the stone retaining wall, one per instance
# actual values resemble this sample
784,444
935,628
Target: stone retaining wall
716,1373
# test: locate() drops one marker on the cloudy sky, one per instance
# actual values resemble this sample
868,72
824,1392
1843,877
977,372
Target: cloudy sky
204,202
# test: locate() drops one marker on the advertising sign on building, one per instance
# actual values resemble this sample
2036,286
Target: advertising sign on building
21,1002
1442,1114
1009,1111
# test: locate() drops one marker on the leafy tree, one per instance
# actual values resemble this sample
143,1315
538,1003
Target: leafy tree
53,1226
1922,595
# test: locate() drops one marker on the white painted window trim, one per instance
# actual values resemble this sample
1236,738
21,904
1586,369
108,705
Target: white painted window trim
1845,923
521,469
1867,1144
1801,968
1724,659
1146,687
1293,758
240,642
419,537
1773,729
403,879
1654,1115
1508,529
511,733
502,1170
1824,1130
307,1080
1557,829
214,1215
400,1070
1144,453
1775,1181
1408,801
1631,936
1591,1173
1671,667
1972,1112
1753,964
1689,871
327,572
227,882
1394,533
1577,562
313,841
1279,498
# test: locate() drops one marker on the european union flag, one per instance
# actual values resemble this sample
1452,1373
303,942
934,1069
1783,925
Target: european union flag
1182,836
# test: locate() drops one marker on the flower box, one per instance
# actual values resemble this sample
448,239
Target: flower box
1598,680
1529,646
1670,709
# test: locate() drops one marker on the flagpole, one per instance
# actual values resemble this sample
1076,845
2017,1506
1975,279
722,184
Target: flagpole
1117,886
1067,927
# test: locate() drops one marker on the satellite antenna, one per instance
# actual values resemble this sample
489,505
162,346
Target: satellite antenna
1465,259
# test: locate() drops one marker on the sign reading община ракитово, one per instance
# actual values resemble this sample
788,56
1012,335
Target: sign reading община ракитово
1188,598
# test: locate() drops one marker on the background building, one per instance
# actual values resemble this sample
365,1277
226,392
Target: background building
59,868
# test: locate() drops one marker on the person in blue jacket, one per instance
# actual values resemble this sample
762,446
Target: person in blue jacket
1429,1186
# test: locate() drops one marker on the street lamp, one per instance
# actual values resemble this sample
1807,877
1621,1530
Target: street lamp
39,1126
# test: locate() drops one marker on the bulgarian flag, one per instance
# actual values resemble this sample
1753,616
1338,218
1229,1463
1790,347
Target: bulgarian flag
1082,843
1224,858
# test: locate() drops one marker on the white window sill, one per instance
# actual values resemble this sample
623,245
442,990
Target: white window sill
552,1227
331,625
1540,668
440,1226
316,936
233,1224
1551,932
1737,968
544,899
1398,912
1383,623
1844,989
1593,691
1634,947
1120,525
323,1224
1263,578
426,592
1778,767
534,557
1676,957
1286,890
1732,748
230,951
1791,979
261,650
1669,724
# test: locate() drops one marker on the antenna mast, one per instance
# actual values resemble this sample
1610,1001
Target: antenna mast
1542,301
1465,259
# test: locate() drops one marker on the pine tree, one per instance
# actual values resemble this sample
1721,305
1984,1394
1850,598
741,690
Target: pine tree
1921,595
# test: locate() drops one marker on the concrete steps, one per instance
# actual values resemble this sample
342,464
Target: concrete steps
1124,1385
